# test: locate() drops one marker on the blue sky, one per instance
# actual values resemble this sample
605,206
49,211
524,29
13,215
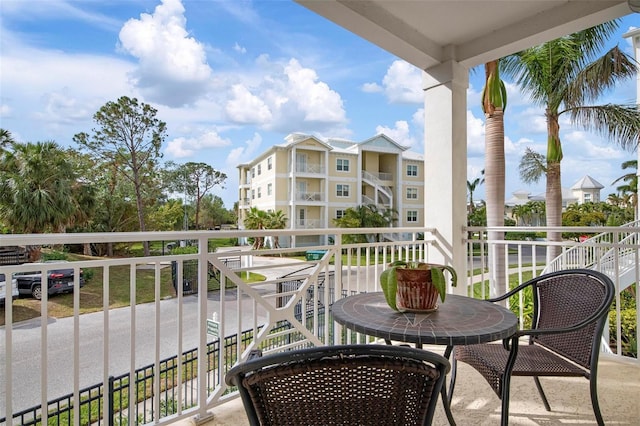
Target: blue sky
231,78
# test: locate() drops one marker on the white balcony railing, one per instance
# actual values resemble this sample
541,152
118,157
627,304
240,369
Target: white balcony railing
312,168
309,196
132,350
308,223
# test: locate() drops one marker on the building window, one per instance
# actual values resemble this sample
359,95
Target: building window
412,215
259,191
269,189
269,163
342,190
253,172
412,193
342,165
259,169
412,170
339,214
253,194
587,197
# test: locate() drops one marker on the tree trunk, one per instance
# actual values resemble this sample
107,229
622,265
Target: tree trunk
34,253
554,208
554,184
140,205
495,188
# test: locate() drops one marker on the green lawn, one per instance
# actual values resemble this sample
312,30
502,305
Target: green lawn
91,295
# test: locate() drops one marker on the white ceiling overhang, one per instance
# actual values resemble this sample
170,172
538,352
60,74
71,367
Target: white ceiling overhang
426,33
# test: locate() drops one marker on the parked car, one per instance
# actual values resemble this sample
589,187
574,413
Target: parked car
60,280
3,289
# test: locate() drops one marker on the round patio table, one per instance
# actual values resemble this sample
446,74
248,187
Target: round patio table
458,321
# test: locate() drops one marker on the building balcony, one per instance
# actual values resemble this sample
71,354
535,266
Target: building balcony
310,197
310,168
104,354
309,223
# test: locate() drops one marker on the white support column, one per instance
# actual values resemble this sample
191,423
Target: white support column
445,152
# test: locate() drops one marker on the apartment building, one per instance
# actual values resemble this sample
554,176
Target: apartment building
314,181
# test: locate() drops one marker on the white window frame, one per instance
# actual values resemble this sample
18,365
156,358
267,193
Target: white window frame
269,189
269,163
343,164
341,189
412,170
412,216
412,193
339,213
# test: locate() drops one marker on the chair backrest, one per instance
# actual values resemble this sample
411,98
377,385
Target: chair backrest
341,385
565,298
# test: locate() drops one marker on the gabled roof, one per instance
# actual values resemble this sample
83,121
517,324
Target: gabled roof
587,182
297,138
382,141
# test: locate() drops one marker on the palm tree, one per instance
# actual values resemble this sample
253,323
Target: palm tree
630,188
494,103
6,140
39,190
277,220
365,216
256,219
565,76
471,187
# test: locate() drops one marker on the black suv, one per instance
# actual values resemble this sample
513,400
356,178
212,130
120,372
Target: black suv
60,280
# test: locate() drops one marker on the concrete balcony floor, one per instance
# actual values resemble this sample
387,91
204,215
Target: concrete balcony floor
474,403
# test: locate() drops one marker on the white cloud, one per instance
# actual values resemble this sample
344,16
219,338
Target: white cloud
239,49
245,107
242,154
475,135
403,83
172,67
5,110
529,120
187,147
314,97
289,97
52,94
371,88
401,133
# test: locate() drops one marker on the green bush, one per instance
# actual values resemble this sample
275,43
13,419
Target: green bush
54,255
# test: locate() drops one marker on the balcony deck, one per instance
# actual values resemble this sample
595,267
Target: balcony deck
315,284
475,404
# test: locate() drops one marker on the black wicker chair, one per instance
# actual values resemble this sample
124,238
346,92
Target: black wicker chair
341,385
570,309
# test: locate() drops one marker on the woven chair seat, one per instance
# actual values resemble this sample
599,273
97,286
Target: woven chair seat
342,385
490,361
570,309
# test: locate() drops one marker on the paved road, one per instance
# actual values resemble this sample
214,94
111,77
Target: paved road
27,336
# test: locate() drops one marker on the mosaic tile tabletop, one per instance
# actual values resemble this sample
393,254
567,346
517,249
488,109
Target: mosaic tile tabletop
458,321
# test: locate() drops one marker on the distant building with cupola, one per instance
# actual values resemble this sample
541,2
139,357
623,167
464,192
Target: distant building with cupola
585,190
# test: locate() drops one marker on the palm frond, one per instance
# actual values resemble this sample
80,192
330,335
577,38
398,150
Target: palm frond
599,76
533,166
620,123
